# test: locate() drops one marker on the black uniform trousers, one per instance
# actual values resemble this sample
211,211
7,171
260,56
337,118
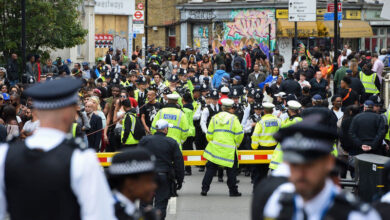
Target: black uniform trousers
161,195
260,171
211,170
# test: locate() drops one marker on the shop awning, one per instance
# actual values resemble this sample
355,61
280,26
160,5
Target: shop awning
286,28
349,29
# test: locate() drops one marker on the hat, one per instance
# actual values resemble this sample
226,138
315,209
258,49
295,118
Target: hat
290,97
293,105
6,96
214,94
376,100
85,63
173,96
54,94
97,91
258,94
227,102
368,104
237,78
317,97
306,141
225,89
2,69
141,80
30,80
268,105
251,93
162,124
204,87
182,72
69,60
173,78
257,106
281,95
111,49
166,91
234,93
132,161
290,72
249,86
153,87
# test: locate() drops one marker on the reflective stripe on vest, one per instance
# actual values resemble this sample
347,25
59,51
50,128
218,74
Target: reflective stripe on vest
266,138
369,82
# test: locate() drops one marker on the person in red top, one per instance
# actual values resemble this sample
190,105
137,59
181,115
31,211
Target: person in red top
130,91
247,58
38,67
225,92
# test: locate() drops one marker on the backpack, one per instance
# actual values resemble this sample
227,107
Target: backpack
139,130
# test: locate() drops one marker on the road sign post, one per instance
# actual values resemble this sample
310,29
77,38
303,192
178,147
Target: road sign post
301,10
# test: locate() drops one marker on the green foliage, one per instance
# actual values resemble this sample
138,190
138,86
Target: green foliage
50,24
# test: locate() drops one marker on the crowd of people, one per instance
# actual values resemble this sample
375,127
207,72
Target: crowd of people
122,99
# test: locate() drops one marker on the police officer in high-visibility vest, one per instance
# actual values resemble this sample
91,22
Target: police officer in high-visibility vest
128,126
293,118
370,81
140,94
224,134
262,139
175,116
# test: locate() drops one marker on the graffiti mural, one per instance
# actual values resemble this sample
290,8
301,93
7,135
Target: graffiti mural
201,38
248,27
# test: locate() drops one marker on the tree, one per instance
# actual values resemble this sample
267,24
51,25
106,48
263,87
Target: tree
50,24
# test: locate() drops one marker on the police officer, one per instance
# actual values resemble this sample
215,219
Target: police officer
175,116
224,135
188,109
129,126
169,163
48,176
293,118
238,106
132,178
311,194
140,94
211,109
262,138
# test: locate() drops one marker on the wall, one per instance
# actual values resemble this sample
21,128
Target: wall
116,25
248,27
285,49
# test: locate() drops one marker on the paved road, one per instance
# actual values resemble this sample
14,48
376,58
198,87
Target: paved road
217,205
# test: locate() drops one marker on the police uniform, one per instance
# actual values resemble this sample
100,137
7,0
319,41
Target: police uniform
128,129
208,112
277,156
169,164
48,176
175,116
224,135
303,143
124,165
200,137
141,96
262,139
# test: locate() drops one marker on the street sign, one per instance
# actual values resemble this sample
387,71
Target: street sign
331,7
138,15
302,10
140,6
330,16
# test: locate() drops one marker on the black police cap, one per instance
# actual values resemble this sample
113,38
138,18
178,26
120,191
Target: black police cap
130,162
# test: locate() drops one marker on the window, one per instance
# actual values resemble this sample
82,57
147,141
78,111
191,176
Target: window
379,40
172,31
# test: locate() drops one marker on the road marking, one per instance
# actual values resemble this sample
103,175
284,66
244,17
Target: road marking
172,206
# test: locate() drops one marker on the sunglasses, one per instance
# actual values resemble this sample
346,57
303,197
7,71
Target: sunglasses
123,96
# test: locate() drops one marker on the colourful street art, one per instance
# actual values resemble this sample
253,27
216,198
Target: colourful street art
248,27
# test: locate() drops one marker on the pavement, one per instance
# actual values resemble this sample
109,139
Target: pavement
190,205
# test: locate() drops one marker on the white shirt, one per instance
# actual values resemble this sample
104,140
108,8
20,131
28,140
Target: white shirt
314,207
205,116
338,113
87,178
247,112
248,126
30,126
129,205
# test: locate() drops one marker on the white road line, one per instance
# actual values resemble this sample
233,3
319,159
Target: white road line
172,206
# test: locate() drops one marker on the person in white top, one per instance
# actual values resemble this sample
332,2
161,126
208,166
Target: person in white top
336,108
311,194
56,167
303,82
